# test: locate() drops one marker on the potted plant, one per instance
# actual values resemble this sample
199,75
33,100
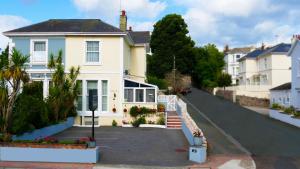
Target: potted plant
198,138
161,108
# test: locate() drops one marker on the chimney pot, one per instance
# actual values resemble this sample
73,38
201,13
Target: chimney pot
123,12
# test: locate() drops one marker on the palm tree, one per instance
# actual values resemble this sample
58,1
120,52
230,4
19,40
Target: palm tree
12,74
64,91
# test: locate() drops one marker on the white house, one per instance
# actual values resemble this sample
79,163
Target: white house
112,61
295,55
231,61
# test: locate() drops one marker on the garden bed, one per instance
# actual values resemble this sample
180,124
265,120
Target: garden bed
276,114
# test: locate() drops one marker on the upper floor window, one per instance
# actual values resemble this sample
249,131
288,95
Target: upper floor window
237,57
265,63
39,52
92,52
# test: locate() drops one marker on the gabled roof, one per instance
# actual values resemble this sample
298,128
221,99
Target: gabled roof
140,36
69,25
253,54
280,48
286,86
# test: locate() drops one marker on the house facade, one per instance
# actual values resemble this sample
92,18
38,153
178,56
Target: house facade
112,60
269,67
231,58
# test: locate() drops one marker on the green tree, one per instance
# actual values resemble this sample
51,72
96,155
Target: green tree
170,38
224,80
12,74
64,89
209,65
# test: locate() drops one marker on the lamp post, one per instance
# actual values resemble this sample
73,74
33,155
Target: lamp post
93,104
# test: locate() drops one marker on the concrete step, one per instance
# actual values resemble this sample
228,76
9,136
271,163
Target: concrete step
174,127
173,123
173,120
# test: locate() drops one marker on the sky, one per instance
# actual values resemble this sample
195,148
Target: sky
237,23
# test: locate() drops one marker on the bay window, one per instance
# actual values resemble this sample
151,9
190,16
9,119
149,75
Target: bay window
139,95
135,92
79,97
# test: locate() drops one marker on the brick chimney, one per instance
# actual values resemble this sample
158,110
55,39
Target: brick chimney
226,48
263,46
123,21
295,38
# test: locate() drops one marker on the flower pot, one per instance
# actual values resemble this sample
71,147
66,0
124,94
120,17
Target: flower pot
92,144
198,141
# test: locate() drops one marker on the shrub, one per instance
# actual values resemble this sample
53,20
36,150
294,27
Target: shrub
289,110
161,120
30,109
160,83
134,111
137,122
151,122
276,106
114,123
66,142
296,114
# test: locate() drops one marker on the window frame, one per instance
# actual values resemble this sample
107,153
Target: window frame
32,41
85,52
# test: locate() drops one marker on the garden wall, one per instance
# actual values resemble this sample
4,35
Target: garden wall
275,114
89,155
227,94
188,128
46,131
252,101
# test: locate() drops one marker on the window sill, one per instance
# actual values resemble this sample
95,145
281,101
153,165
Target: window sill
37,63
93,64
139,102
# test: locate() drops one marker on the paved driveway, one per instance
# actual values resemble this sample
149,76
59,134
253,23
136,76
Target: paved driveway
136,146
273,144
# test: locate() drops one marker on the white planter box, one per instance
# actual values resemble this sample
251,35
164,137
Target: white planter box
90,155
284,117
127,125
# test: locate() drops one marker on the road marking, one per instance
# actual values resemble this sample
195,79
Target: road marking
229,137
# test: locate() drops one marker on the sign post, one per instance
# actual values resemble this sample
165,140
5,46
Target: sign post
93,104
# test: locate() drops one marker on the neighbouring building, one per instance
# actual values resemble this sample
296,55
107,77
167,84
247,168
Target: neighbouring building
231,61
269,67
294,53
248,68
281,95
112,60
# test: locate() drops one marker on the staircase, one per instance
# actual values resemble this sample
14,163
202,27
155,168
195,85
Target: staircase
173,120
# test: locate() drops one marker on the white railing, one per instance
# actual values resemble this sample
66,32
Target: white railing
169,101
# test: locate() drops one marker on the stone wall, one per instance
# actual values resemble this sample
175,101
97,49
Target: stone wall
252,101
227,94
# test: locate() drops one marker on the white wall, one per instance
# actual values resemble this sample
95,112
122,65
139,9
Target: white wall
296,75
282,97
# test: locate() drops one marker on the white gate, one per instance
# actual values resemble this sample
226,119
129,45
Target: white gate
169,101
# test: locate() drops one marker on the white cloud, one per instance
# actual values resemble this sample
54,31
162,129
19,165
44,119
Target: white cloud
141,26
110,9
9,22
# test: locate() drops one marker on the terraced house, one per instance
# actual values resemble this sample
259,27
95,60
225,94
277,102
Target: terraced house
112,60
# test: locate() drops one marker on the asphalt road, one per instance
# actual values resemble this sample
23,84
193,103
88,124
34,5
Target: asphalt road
273,144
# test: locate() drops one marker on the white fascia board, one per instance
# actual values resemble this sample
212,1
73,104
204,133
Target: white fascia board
62,33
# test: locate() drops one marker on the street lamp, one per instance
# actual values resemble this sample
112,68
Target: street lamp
93,104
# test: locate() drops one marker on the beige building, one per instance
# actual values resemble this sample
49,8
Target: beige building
112,61
263,69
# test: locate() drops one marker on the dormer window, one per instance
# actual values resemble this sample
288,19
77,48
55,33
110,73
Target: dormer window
39,51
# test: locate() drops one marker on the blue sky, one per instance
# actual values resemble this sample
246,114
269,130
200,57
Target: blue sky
233,22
